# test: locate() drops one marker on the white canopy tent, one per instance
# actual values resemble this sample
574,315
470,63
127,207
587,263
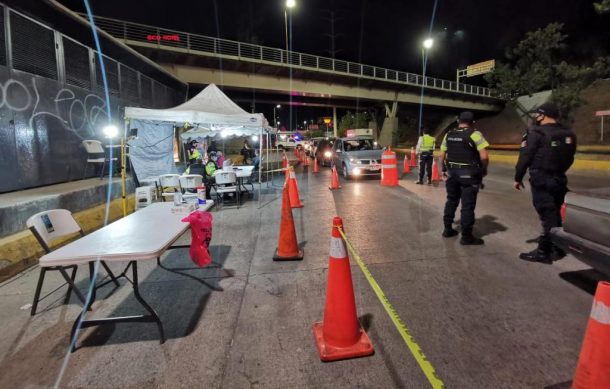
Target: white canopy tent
210,112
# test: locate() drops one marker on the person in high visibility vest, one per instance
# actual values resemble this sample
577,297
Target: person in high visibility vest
425,149
192,153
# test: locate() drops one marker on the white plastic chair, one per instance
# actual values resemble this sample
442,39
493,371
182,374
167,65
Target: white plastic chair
96,155
144,196
170,184
226,182
48,226
189,184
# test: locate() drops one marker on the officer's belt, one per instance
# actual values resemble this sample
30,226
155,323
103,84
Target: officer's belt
457,165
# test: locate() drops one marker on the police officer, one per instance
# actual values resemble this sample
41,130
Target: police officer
547,149
425,149
464,163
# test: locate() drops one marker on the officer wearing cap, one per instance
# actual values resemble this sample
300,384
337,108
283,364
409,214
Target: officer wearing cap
547,149
464,161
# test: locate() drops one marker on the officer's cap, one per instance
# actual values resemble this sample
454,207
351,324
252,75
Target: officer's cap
466,117
548,109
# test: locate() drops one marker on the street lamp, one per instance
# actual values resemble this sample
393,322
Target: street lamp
289,5
426,45
275,117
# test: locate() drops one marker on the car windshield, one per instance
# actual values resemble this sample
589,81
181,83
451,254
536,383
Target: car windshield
359,145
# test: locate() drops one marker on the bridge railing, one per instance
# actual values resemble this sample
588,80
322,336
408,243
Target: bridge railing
193,43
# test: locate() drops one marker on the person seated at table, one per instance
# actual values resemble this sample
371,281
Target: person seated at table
257,160
196,168
209,170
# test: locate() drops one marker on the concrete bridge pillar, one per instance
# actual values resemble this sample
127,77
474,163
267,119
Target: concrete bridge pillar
390,126
335,133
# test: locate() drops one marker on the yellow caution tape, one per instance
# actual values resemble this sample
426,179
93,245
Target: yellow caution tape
276,170
417,352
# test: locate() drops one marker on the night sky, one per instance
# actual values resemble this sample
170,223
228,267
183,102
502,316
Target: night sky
385,33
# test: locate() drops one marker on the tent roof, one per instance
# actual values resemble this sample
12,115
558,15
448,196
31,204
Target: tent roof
210,108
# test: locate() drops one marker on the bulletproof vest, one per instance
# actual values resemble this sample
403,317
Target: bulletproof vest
461,148
557,148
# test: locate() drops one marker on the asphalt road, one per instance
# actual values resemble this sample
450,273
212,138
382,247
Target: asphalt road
482,317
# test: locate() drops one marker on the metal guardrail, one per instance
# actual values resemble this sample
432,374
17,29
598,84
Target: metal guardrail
204,45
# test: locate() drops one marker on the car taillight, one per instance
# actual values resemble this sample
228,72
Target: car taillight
562,211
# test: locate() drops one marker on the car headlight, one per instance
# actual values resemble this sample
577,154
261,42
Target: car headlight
328,154
356,171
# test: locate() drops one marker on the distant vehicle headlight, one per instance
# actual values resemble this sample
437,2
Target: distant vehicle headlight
328,154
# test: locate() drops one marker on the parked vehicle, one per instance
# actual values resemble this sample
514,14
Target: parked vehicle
323,151
586,229
357,156
289,143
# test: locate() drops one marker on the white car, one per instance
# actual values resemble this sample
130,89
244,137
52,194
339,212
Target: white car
288,143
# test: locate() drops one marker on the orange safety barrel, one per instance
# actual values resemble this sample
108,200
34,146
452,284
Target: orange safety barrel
389,171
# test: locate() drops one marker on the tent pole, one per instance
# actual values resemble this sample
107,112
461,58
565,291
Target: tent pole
260,166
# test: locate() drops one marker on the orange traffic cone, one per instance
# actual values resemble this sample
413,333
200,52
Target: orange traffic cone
293,190
316,167
593,369
435,175
339,335
413,158
406,169
334,180
287,246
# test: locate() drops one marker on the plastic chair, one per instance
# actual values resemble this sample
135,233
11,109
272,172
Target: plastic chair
48,226
226,182
144,196
170,184
189,184
94,149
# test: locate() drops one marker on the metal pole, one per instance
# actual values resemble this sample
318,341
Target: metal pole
286,31
335,131
602,135
260,166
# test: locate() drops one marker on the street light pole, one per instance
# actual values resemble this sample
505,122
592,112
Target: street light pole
274,115
426,45
289,5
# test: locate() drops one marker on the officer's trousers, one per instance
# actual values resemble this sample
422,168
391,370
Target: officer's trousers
462,185
425,165
548,194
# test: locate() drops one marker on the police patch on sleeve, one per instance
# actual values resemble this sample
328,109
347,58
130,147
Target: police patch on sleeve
568,140
524,143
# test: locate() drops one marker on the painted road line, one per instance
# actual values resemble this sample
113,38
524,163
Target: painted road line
417,352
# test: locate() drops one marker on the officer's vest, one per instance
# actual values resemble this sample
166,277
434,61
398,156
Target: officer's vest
461,148
557,148
427,143
193,154
210,168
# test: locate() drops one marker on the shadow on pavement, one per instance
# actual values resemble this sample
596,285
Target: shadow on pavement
178,302
585,280
488,225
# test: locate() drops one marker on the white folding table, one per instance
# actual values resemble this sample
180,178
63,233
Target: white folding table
142,235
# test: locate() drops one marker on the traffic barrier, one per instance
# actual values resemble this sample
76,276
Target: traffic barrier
339,335
285,165
413,158
334,179
293,190
593,369
316,167
406,169
435,175
389,172
287,246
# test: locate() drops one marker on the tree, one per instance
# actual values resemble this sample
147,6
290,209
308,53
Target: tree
535,65
353,120
602,7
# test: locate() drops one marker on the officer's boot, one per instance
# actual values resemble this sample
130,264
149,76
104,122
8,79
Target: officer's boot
449,232
540,254
470,240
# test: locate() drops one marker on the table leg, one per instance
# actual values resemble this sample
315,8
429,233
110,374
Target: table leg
153,317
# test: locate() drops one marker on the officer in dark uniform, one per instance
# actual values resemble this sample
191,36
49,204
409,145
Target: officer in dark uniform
464,163
547,149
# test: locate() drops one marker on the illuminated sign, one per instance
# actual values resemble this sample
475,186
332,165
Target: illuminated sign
327,120
480,68
156,37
